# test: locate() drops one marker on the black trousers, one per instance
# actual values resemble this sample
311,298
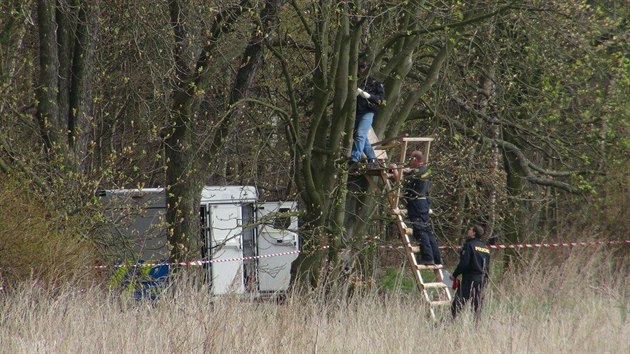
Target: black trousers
470,289
429,250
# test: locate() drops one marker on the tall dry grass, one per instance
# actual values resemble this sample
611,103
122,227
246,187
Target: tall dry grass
578,306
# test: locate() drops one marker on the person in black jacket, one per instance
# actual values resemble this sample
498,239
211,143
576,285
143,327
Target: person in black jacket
416,188
474,265
370,94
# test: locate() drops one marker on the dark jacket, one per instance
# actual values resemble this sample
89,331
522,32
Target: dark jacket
474,259
377,95
417,193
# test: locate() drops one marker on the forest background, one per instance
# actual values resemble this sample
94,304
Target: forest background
527,102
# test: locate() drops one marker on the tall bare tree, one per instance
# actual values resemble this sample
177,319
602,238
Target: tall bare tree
64,55
185,170
406,45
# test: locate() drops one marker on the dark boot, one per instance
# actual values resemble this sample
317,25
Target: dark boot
423,261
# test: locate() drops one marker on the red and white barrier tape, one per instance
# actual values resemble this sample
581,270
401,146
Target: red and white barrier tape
523,245
560,244
538,245
197,262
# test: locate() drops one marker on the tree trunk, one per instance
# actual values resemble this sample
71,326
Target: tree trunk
515,218
47,108
64,73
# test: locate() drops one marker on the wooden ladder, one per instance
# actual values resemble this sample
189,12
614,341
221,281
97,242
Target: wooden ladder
436,293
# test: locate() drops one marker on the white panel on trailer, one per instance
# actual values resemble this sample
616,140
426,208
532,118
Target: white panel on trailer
229,194
276,237
226,249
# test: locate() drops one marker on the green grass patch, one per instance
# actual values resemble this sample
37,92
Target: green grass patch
395,280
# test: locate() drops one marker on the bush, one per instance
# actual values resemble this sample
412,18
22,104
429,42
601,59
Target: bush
39,241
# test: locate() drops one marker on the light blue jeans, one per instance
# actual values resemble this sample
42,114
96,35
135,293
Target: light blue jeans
361,142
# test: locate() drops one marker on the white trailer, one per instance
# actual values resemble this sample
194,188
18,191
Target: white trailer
248,246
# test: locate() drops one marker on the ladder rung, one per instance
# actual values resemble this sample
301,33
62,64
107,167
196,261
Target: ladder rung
416,139
433,266
436,285
440,303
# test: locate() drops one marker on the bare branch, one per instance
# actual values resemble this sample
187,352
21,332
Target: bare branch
408,33
525,164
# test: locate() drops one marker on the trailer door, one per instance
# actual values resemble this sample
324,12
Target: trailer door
226,249
136,218
276,238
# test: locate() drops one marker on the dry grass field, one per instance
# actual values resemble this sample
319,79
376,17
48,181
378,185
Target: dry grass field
580,306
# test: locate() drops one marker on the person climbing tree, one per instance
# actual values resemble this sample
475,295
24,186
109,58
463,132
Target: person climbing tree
370,94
